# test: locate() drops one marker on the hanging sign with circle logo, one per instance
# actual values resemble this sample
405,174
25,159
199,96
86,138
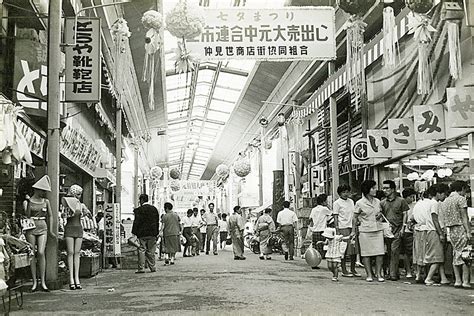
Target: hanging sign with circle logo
359,151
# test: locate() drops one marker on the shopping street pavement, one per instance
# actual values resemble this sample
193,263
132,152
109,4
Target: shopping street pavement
218,285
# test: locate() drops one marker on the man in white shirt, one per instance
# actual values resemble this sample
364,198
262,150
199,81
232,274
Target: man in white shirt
287,221
223,231
196,223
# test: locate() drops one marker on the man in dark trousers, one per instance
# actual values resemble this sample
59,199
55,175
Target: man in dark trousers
146,228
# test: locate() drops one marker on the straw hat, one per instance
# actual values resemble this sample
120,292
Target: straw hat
75,190
43,184
329,233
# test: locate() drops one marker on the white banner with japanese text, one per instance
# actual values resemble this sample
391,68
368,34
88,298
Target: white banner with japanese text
83,64
378,143
192,193
460,105
112,230
429,122
290,33
401,134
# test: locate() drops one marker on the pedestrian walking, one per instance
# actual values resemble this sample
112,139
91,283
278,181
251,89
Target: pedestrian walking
265,227
171,231
203,230
343,210
287,221
393,207
409,195
196,223
366,214
212,230
318,219
420,211
223,230
187,233
146,226
336,245
236,230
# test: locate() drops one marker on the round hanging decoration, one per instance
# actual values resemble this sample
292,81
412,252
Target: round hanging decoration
420,6
156,172
152,20
120,28
413,176
242,167
185,21
312,257
222,171
268,144
357,7
175,185
175,174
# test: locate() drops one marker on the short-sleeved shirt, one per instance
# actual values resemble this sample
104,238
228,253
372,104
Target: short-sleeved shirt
320,215
422,214
222,226
367,211
210,218
196,221
286,217
394,209
453,207
170,224
344,209
187,221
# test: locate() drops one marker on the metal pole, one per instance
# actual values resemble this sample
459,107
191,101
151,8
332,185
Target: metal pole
53,133
310,162
136,192
260,165
334,147
470,141
118,154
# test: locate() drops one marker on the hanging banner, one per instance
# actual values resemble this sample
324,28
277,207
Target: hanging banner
401,134
460,106
188,193
378,143
34,140
112,230
429,122
290,33
360,152
83,63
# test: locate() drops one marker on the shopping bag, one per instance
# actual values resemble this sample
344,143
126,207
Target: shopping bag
27,223
385,226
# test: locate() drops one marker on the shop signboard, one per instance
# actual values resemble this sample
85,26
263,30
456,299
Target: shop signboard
460,105
360,151
190,193
401,134
378,143
112,230
429,122
83,63
34,140
290,33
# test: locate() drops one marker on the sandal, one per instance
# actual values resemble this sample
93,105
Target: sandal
334,279
369,280
72,287
348,275
78,287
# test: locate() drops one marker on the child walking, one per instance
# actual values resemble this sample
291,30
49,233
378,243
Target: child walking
336,247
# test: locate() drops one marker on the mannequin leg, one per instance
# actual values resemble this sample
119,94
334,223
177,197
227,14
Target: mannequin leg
42,259
32,240
77,259
70,258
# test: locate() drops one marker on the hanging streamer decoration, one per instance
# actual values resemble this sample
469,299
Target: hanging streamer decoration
153,22
455,65
12,142
355,43
186,22
120,34
390,40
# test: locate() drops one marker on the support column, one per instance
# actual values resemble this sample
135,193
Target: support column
53,134
136,191
261,151
470,140
334,147
118,154
278,193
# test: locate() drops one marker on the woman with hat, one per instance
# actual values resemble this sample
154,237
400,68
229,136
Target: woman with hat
37,210
73,234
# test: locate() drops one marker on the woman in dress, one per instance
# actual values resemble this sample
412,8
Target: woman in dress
38,209
171,231
367,212
188,233
73,234
265,226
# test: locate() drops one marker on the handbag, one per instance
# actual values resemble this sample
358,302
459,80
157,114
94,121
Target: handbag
385,226
27,223
133,241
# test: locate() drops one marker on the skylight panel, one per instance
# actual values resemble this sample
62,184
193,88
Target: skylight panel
218,116
226,94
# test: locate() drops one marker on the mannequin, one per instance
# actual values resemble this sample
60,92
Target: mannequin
38,209
73,232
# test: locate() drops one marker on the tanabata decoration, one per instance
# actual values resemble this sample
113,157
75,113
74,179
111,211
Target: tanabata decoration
390,39
175,174
355,28
153,22
120,34
222,171
186,22
241,167
12,142
156,172
175,185
453,14
312,257
421,29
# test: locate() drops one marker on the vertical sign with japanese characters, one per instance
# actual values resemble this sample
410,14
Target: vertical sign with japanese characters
401,134
460,106
378,143
112,230
290,33
83,64
429,122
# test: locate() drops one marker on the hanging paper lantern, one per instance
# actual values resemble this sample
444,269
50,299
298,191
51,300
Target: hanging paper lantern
153,22
175,185
448,172
185,21
413,176
156,172
175,174
241,167
441,173
420,6
357,7
222,171
312,257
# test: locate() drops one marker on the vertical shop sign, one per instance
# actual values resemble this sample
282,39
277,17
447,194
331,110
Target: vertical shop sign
83,64
360,151
401,134
378,143
429,122
112,230
460,106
